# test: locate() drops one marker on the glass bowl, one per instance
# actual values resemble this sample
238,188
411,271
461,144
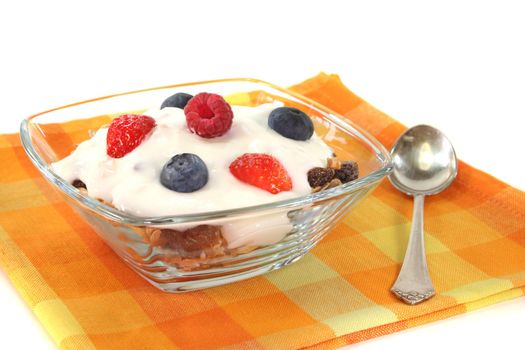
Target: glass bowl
173,259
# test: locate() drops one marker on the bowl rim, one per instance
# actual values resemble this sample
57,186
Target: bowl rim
114,214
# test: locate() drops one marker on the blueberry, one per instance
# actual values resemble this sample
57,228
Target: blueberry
185,173
178,100
291,123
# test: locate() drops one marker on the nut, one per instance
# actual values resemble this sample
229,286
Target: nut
333,183
155,236
333,163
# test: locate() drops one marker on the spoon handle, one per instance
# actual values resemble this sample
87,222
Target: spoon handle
413,284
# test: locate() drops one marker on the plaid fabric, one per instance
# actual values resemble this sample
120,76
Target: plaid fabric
337,294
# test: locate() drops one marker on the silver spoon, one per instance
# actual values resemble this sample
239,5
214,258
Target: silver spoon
424,164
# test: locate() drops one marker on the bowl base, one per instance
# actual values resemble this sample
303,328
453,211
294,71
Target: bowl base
188,286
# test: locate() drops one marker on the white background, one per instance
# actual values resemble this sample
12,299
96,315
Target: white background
457,65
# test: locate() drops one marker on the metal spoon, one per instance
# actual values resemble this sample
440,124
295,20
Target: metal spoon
424,164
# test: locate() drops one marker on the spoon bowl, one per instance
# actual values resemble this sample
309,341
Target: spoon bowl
424,161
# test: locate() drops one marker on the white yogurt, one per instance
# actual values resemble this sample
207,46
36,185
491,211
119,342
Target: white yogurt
132,184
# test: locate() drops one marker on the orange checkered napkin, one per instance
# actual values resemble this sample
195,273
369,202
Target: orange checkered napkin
337,294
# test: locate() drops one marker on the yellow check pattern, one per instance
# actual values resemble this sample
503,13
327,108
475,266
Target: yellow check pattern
338,294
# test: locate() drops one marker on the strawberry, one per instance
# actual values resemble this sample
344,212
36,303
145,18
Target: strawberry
263,171
126,132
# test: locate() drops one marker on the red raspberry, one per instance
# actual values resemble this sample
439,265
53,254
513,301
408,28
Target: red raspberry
208,115
263,171
126,132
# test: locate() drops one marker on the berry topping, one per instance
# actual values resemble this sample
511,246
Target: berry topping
263,171
179,100
335,174
349,171
208,115
127,132
185,173
291,123
320,176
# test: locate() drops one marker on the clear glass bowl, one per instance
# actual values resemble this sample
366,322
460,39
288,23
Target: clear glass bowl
151,247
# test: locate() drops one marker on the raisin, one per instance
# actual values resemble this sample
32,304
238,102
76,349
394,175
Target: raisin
320,176
79,184
349,171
